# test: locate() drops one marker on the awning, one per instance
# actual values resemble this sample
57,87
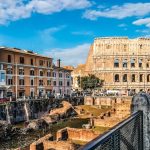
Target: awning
4,87
9,66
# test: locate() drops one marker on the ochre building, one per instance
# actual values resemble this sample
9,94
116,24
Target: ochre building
121,62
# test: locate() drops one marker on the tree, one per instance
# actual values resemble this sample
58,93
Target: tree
89,82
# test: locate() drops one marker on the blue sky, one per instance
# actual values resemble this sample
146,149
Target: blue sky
66,28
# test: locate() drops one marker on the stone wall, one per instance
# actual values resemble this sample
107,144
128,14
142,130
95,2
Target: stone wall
141,102
120,110
105,100
64,139
76,134
18,111
59,145
39,144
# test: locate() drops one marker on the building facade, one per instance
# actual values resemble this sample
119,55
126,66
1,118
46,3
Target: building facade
122,63
25,73
77,72
62,81
3,87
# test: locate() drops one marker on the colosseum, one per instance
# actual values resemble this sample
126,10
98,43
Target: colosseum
121,62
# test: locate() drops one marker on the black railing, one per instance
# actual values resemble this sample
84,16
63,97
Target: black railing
127,135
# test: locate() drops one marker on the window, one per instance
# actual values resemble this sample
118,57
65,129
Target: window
140,46
140,63
31,61
117,78
116,63
21,60
108,46
60,83
2,79
48,82
141,78
1,66
125,78
41,62
9,58
147,65
32,72
41,73
68,83
54,74
40,82
21,81
60,75
48,74
21,71
124,63
9,71
133,78
132,63
10,82
67,75
54,83
125,46
148,78
48,64
32,81
60,91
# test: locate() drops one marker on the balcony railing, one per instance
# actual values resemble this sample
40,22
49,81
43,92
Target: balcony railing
127,135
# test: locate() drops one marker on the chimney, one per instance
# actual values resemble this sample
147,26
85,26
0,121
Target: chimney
58,63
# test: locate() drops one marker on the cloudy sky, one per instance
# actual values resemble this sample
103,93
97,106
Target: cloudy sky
66,28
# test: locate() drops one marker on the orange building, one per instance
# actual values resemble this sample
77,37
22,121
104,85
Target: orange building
25,72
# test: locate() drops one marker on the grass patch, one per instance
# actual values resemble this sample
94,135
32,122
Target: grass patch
99,129
73,123
93,109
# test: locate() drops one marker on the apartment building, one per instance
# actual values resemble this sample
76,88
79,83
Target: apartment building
62,81
24,73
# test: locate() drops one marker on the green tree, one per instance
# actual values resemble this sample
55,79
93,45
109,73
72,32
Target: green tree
89,82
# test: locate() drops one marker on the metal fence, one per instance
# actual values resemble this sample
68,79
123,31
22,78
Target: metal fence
127,135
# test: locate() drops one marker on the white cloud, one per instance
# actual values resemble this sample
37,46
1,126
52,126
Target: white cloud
70,56
119,12
122,25
144,31
11,10
47,35
145,21
86,33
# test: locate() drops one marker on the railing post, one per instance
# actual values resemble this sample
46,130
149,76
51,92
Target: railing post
141,102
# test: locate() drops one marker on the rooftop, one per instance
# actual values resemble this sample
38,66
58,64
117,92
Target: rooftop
18,50
123,37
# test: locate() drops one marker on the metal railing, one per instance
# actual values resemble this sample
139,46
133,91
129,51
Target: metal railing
127,135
